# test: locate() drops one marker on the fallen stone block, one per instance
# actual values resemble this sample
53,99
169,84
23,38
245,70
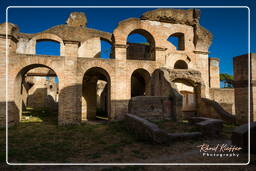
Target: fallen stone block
208,126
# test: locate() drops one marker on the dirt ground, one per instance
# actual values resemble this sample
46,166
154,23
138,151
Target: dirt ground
39,140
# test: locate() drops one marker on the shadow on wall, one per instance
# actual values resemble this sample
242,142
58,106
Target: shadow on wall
13,113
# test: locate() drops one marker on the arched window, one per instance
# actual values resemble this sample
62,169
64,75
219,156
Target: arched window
180,64
177,39
47,47
105,50
140,45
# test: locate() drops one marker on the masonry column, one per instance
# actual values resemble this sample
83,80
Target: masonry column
120,51
11,45
69,98
241,87
214,73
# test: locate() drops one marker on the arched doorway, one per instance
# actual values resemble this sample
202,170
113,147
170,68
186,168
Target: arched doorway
140,45
36,94
140,83
96,95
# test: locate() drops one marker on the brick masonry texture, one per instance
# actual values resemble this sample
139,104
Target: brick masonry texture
79,63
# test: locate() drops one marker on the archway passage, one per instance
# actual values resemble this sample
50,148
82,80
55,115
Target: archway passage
140,45
140,83
180,64
36,94
96,95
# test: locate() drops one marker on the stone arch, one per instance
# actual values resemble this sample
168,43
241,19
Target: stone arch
19,94
180,64
46,37
126,27
140,82
96,94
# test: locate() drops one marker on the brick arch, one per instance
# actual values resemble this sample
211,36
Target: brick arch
15,76
43,37
126,27
89,98
100,63
189,58
28,62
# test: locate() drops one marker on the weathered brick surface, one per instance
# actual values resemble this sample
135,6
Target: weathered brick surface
225,97
151,107
241,82
79,52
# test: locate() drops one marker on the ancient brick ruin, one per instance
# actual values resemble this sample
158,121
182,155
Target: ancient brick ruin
179,76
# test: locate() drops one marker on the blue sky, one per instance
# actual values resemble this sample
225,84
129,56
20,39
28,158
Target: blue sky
228,26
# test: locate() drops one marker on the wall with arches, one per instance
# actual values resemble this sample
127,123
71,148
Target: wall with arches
80,50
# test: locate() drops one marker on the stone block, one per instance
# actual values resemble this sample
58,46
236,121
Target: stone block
208,126
240,136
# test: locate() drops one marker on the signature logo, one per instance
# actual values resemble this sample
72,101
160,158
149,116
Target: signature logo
219,150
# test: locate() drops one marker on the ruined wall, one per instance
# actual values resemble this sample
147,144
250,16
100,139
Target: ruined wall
43,94
6,47
151,107
241,86
90,48
225,97
80,49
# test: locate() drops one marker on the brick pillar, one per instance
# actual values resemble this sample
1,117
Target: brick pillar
241,87
120,91
11,44
214,73
69,98
120,51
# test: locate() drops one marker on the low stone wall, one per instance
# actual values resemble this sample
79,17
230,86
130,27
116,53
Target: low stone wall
211,109
225,97
240,136
151,107
208,126
146,130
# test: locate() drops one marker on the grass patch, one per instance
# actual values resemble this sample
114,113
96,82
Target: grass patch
176,127
36,142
